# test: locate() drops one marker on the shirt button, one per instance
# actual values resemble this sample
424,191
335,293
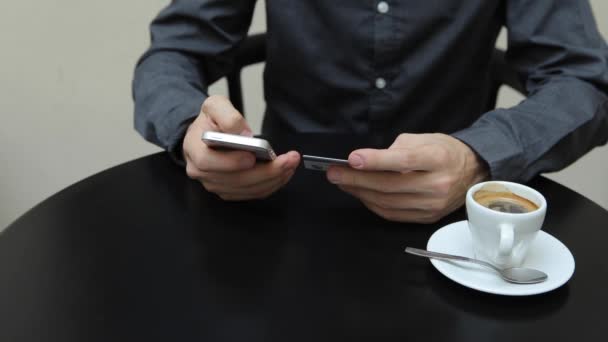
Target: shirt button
382,7
380,83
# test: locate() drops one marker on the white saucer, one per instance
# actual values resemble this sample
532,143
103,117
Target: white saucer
547,254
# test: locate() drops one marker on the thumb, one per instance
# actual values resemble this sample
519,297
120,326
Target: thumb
223,114
377,160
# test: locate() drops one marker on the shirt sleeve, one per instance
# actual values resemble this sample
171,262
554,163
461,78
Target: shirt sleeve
559,54
191,47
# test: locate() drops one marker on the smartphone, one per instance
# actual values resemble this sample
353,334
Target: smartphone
260,147
321,163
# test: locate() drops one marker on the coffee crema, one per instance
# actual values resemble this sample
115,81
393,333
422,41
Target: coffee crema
503,200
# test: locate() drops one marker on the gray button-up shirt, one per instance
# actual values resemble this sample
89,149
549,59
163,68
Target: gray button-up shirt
383,68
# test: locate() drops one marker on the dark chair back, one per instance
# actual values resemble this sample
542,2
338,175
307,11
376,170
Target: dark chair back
253,50
502,73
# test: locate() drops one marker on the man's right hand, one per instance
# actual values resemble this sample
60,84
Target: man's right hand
232,175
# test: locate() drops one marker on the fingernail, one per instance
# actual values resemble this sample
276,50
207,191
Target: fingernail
247,132
333,176
356,161
294,156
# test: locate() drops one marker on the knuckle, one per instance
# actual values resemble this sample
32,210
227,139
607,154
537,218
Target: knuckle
351,179
192,171
199,161
211,103
441,154
346,180
234,121
205,164
443,185
406,160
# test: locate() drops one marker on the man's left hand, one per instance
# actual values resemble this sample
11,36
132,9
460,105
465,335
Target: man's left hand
419,178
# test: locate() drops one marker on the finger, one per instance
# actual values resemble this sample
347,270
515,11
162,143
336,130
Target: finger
401,201
412,216
383,181
258,192
422,158
206,159
222,113
258,174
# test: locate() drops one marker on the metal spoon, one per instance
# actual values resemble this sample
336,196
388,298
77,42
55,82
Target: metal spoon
516,275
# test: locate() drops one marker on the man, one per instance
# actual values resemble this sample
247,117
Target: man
395,70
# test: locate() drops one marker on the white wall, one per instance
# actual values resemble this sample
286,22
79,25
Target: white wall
65,101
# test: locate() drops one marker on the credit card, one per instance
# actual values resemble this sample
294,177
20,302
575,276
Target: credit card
321,163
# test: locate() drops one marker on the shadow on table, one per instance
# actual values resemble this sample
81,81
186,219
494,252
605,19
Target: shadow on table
503,308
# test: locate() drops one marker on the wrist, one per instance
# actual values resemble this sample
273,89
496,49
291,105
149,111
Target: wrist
475,168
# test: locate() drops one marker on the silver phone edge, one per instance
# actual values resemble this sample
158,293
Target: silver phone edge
261,147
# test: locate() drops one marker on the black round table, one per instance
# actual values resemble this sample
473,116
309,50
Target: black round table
140,252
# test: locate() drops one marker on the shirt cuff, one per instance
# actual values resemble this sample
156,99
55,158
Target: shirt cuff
501,154
179,121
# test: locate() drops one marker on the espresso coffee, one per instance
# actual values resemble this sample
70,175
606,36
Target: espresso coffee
503,200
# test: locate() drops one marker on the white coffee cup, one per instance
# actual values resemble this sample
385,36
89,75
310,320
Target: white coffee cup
501,238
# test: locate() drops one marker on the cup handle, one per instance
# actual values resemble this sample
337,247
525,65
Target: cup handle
505,246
